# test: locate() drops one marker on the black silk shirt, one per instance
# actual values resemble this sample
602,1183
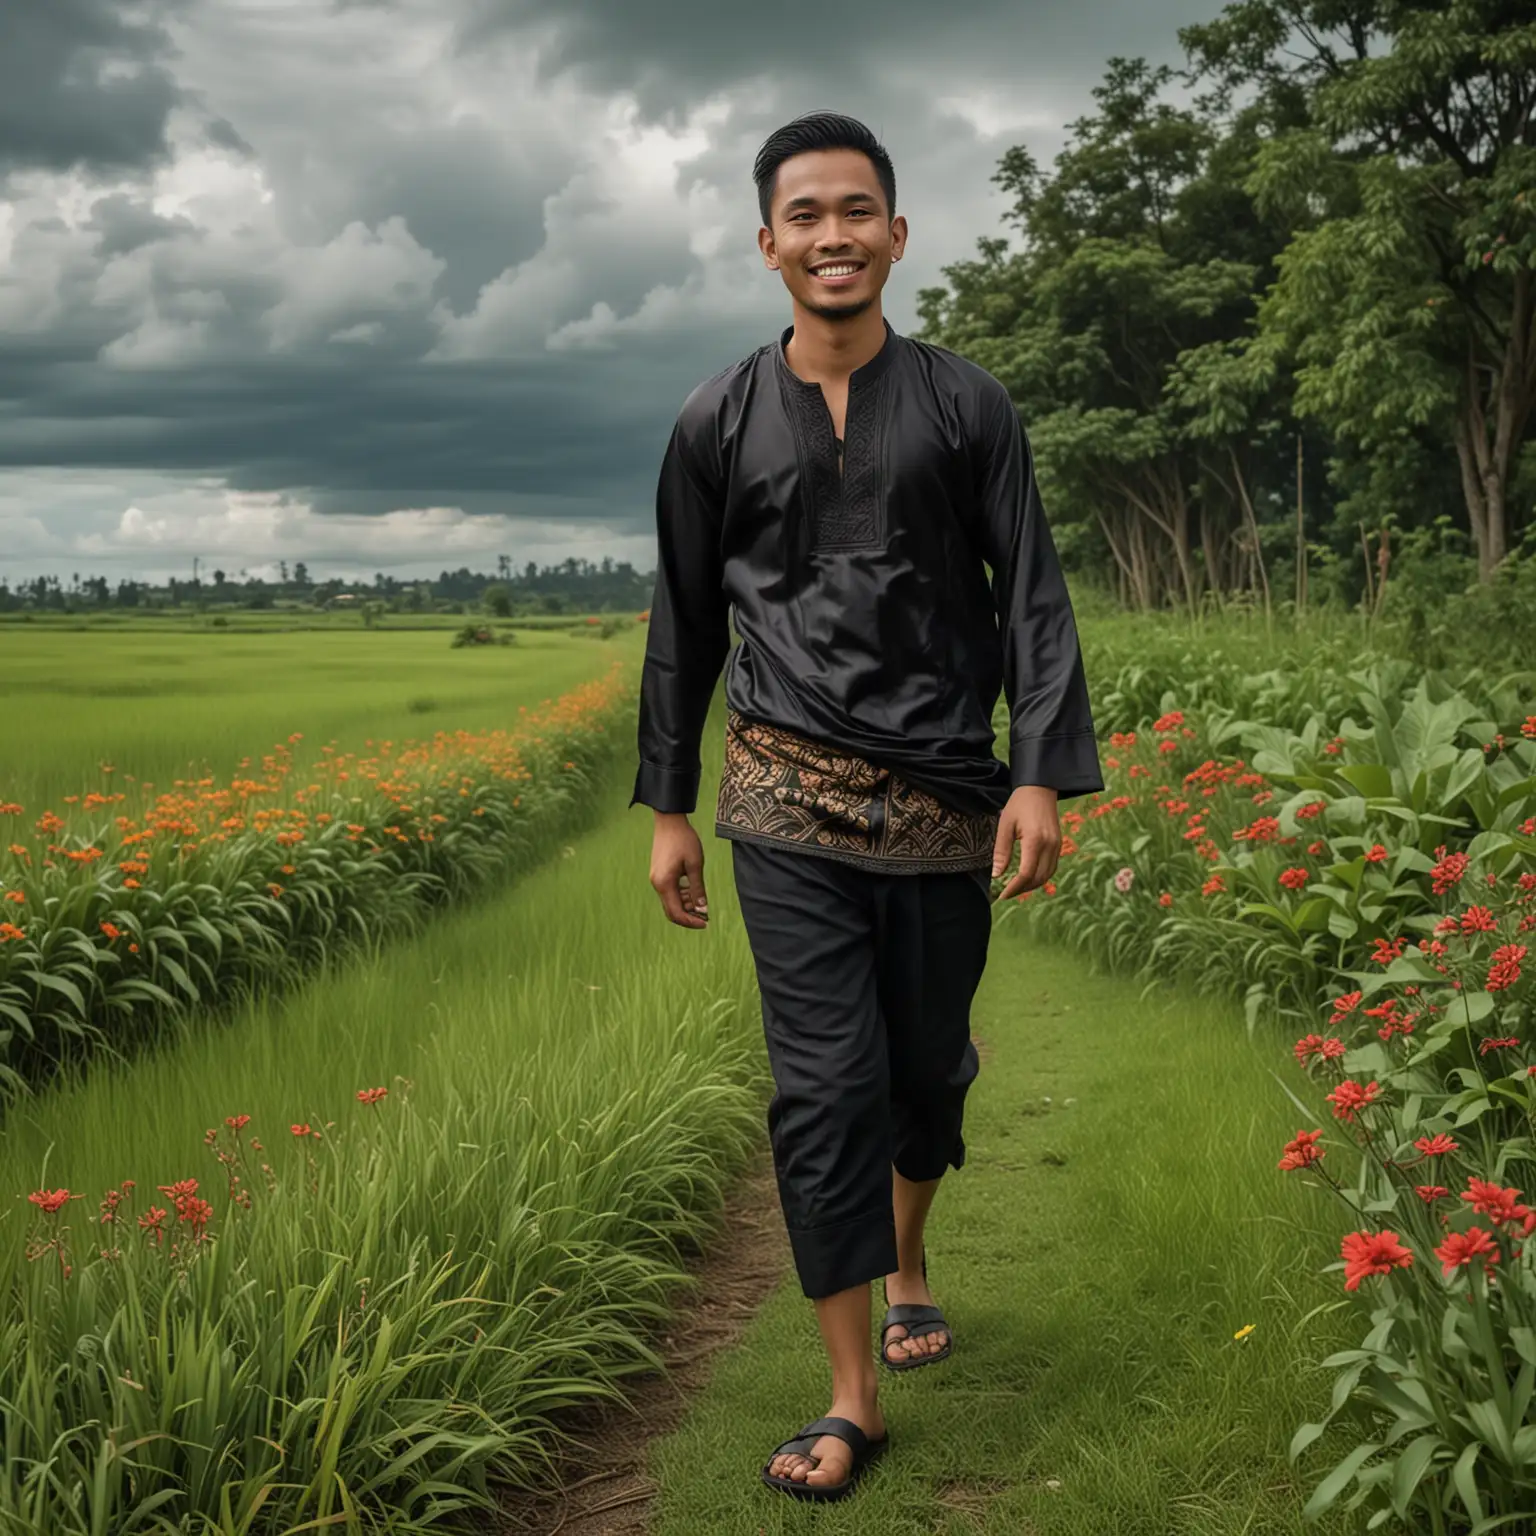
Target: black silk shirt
867,618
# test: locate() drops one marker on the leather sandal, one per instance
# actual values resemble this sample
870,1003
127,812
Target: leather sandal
919,1320
864,1450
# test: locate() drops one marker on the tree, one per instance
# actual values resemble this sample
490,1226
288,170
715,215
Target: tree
497,599
301,574
218,578
1139,250
1407,296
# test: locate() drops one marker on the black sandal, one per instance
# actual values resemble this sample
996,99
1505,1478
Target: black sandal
919,1321
864,1450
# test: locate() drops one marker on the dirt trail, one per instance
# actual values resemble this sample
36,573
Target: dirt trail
606,1491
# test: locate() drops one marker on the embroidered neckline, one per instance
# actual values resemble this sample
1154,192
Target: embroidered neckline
867,373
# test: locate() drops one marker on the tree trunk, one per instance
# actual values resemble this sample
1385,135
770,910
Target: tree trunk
1487,458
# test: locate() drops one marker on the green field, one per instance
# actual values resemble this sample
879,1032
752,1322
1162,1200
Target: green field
163,705
574,1083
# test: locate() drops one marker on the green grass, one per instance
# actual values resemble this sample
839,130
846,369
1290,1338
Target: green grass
160,706
585,1078
1119,1219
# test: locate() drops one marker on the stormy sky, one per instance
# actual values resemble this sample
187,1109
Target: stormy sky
406,284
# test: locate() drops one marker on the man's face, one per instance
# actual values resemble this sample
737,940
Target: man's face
829,215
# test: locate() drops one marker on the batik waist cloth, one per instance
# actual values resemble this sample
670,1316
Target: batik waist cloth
785,790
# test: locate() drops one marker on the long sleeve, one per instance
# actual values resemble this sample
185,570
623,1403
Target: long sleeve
1050,739
689,632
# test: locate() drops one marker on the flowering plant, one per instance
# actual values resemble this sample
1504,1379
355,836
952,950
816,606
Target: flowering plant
1433,1090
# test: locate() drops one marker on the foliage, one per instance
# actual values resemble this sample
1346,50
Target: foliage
113,924
1295,876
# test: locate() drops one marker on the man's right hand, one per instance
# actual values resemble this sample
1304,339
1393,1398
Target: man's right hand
677,870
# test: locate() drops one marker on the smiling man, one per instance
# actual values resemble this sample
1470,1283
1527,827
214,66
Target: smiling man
867,504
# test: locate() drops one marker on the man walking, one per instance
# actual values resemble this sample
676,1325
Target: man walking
846,489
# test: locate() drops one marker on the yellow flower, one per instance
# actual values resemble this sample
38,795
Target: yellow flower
1242,1333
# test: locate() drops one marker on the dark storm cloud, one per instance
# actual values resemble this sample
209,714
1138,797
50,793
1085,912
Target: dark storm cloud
353,304
126,223
675,52
83,84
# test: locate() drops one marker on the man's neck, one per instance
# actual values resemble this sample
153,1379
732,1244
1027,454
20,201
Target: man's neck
825,350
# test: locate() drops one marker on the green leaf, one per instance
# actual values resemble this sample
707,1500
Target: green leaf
1338,1480
1413,1462
59,984
1371,779
1465,1483
1303,1438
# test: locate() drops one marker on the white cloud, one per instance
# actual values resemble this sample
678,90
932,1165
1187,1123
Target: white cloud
163,526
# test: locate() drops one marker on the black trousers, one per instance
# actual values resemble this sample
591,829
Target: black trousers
866,982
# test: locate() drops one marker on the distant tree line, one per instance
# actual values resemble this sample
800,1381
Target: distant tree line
1282,328
572,586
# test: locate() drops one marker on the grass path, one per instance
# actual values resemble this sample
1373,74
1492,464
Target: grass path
1120,1218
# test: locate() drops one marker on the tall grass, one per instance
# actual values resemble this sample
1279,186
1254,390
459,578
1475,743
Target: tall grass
382,1337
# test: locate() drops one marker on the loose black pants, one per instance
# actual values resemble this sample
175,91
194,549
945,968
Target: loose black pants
866,982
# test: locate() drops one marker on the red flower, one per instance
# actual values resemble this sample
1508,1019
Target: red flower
1165,900
1436,1146
1301,1151
1375,854
1490,1044
1350,1097
1462,1247
1503,1205
1307,812
371,1095
1505,968
1529,728
1263,830
1448,871
1212,886
1169,722
51,1201
1430,1192
1372,1253
1314,1045
1294,879
1344,1006
196,1213
1478,920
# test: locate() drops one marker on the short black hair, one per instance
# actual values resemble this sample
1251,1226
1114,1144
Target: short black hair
819,130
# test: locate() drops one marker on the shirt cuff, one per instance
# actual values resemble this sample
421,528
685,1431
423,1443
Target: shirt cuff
1067,764
666,789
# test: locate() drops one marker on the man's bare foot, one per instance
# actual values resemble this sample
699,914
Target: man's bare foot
834,1457
902,1290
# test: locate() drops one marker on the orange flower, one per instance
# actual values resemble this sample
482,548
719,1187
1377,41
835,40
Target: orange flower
371,1095
51,1201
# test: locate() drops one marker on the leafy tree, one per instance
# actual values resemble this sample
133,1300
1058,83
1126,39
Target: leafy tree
1142,249
1402,150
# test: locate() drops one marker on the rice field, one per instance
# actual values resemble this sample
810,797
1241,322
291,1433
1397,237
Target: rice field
159,705
447,1188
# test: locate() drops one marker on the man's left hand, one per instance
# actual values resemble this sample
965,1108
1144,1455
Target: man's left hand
1030,819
